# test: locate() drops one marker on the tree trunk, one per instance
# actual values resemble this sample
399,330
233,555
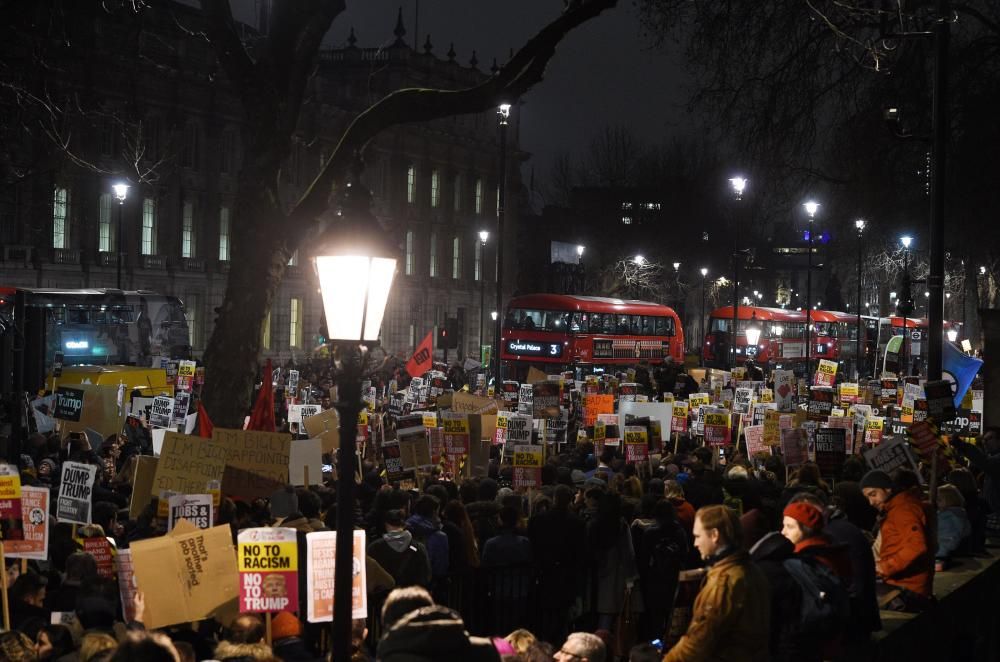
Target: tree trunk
230,359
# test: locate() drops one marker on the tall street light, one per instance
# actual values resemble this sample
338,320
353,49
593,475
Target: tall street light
484,236
121,192
905,303
811,209
860,226
503,115
701,325
739,184
579,266
355,270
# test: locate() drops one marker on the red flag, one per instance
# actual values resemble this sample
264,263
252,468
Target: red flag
262,416
422,359
204,422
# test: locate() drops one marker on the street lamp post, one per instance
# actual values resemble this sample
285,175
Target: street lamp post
355,271
701,325
484,236
811,209
860,225
907,302
739,185
579,266
121,192
503,114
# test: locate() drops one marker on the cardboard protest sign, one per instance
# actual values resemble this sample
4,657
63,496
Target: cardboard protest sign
298,413
849,393
658,411
766,395
187,464
99,411
888,391
414,447
256,462
524,399
185,375
528,460
519,429
846,424
393,462
126,582
69,403
10,503
545,400
597,403
142,484
34,540
324,426
473,404
874,427
679,419
784,389
826,373
162,412
891,455
717,428
940,401
100,549
195,508
754,435
830,446
771,428
698,399
743,400
636,444
268,565
75,491
793,447
925,439
186,575
321,557
820,403
456,432
305,459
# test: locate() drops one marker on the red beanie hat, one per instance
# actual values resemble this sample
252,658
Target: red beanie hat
285,625
805,514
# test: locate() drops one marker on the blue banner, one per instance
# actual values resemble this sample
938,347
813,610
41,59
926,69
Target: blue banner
960,369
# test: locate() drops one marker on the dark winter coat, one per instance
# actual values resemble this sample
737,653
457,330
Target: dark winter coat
433,634
786,644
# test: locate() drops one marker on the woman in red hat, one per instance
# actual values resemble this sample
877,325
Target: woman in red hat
802,524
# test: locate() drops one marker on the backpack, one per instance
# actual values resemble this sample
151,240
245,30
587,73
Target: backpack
825,608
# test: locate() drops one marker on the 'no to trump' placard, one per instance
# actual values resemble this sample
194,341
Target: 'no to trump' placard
75,492
268,564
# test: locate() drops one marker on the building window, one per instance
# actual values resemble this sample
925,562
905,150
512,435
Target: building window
456,190
456,258
411,185
413,336
479,196
478,270
295,323
435,189
265,334
60,220
191,315
187,230
148,226
192,146
104,244
409,253
228,155
434,256
224,234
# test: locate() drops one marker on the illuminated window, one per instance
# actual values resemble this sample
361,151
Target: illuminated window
187,230
478,268
224,234
60,224
104,244
456,258
479,196
409,253
148,244
295,323
435,189
434,257
265,340
191,314
411,185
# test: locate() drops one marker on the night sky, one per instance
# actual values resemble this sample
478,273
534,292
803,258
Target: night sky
603,73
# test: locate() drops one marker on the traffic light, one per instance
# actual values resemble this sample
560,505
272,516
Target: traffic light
442,337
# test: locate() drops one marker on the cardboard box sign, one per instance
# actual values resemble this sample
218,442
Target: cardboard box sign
324,426
187,464
305,461
256,462
186,575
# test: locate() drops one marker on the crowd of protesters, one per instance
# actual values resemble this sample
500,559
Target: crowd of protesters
693,557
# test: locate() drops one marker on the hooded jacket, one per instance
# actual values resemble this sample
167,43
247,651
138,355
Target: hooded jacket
787,644
906,555
433,634
731,617
429,532
402,557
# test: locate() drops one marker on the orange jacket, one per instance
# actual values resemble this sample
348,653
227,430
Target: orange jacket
906,557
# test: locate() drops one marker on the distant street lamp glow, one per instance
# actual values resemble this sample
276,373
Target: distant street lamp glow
494,315
640,260
579,250
952,335
811,208
704,272
677,265
906,240
484,235
739,185
859,224
753,332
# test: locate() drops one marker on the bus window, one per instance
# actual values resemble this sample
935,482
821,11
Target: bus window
635,325
77,316
556,321
722,325
579,323
57,315
823,329
648,325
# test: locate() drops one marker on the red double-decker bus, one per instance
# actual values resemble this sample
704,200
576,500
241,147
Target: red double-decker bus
781,342
557,331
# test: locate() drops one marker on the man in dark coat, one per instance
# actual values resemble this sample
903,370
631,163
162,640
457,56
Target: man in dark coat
769,554
401,556
557,535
